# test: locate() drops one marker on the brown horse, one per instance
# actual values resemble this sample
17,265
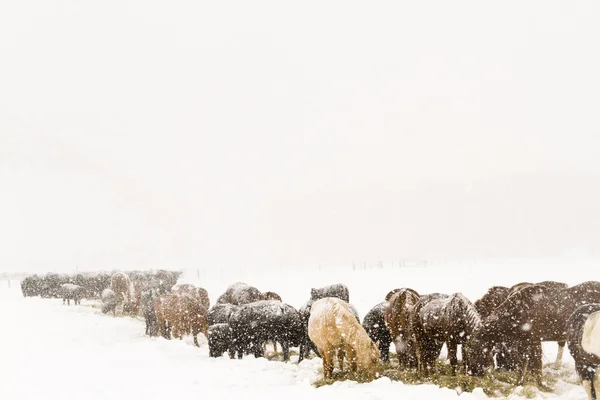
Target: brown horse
333,328
120,285
270,296
507,354
528,317
136,300
436,320
391,293
192,290
397,320
181,313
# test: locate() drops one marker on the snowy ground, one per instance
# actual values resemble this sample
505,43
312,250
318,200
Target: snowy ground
51,351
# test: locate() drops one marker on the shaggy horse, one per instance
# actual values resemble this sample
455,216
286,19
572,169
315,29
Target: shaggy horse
583,338
120,285
148,298
180,313
397,320
240,293
109,302
200,293
219,313
334,330
490,300
530,316
306,346
449,319
506,357
374,324
338,290
254,323
270,296
219,340
69,291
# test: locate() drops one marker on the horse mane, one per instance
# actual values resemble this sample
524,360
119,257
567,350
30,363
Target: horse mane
467,309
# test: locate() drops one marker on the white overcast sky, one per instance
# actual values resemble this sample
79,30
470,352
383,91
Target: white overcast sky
145,134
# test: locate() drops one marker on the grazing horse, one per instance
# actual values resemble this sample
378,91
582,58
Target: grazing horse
306,346
69,291
254,323
192,290
436,320
240,293
270,296
506,356
528,317
120,285
490,300
397,320
374,324
334,330
583,338
485,306
338,290
181,313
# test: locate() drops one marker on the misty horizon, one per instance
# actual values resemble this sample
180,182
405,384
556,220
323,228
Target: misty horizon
204,135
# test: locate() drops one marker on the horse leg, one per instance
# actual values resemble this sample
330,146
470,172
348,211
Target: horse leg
595,384
589,390
351,356
327,356
285,348
340,356
301,351
384,351
559,354
536,364
452,350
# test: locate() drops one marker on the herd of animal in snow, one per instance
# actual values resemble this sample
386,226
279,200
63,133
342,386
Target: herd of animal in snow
502,330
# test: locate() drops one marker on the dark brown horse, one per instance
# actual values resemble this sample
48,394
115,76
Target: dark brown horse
440,319
528,317
270,296
506,356
397,320
490,300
